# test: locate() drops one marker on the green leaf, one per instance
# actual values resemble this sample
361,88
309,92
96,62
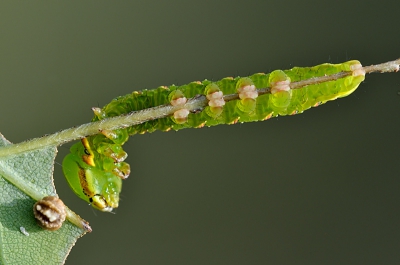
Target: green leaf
34,170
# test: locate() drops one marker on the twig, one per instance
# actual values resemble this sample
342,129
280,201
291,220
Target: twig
138,117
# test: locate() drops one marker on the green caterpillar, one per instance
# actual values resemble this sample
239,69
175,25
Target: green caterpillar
94,169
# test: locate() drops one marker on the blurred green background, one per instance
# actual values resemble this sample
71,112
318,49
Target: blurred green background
317,188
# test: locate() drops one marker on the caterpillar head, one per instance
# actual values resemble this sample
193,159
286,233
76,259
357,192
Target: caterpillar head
101,188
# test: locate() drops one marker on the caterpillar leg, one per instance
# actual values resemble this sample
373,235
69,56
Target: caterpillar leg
108,156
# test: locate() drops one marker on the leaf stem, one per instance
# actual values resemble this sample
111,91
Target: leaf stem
77,220
138,117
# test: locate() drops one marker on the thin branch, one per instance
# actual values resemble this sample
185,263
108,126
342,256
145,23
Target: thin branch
392,66
138,117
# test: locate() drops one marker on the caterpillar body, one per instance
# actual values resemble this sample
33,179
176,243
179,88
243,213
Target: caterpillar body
94,168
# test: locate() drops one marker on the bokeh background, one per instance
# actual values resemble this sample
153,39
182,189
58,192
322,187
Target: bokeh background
317,188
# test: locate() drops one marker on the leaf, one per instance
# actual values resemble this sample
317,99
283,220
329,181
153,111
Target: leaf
35,169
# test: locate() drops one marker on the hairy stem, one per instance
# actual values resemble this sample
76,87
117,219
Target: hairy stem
138,117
